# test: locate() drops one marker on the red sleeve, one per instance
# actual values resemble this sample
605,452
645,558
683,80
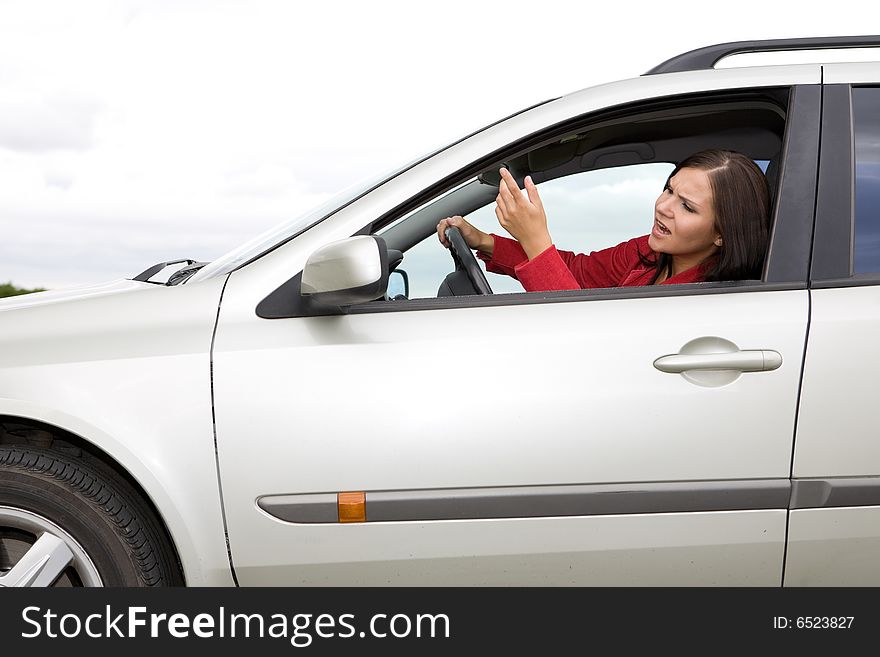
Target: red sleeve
547,271
506,254
605,268
564,270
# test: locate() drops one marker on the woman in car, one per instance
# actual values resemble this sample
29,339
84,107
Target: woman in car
711,223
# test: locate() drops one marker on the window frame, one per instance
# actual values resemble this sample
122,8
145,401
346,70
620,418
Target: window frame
833,256
787,263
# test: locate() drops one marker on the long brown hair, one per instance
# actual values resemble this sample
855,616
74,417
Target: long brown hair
741,201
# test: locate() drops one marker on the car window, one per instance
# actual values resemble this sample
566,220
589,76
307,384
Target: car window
585,212
598,182
866,118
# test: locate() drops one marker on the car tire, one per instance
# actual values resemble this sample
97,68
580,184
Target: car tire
69,521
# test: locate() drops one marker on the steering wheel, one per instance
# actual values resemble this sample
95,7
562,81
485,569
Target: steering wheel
466,261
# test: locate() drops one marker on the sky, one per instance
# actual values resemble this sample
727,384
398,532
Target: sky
133,132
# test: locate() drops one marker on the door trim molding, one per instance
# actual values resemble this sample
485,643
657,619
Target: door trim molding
538,501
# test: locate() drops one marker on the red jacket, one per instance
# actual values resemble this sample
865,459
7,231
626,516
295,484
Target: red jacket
618,266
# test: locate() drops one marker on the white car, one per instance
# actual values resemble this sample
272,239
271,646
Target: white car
294,413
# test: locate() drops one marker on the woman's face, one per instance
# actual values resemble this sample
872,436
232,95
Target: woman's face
684,219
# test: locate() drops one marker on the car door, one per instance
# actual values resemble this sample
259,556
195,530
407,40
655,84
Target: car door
518,438
834,533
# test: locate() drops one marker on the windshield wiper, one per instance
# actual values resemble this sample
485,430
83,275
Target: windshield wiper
182,275
176,278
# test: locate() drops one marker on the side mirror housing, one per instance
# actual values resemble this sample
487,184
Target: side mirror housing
349,271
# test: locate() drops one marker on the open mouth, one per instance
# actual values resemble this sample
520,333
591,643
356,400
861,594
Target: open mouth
661,228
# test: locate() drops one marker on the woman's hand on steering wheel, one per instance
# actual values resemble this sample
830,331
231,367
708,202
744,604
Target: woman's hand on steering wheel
475,238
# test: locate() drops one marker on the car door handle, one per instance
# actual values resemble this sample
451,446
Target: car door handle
755,360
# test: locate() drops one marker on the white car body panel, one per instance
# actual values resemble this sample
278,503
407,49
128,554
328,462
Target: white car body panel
852,73
833,547
837,433
71,293
623,550
334,430
93,361
837,437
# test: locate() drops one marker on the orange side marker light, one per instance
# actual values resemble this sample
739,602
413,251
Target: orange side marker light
352,506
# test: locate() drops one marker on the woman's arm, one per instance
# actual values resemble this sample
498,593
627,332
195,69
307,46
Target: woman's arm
564,270
544,268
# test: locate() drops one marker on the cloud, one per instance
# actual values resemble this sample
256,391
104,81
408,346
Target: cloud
35,124
78,235
266,180
68,251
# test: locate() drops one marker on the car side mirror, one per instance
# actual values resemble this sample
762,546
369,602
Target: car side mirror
349,271
398,286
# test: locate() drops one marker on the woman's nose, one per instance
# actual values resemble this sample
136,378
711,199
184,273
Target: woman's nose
665,205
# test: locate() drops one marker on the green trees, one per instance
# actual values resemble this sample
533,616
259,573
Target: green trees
9,290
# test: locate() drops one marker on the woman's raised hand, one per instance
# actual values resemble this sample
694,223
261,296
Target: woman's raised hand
475,238
523,217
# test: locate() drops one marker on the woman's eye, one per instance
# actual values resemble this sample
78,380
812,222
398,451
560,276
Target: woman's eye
667,188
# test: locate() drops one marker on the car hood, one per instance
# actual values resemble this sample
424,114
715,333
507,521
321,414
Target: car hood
71,293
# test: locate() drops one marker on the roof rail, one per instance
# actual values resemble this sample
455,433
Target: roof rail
706,58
